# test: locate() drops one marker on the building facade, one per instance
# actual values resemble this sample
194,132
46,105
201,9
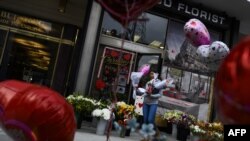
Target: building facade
157,39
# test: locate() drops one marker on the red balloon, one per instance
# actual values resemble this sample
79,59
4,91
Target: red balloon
232,85
36,113
125,11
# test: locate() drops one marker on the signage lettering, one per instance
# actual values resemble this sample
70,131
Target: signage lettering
193,11
114,61
32,24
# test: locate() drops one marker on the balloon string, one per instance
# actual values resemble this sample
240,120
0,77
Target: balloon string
116,83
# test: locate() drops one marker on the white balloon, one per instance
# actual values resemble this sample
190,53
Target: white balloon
203,52
218,51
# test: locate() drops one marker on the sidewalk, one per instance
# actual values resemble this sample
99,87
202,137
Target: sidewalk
87,133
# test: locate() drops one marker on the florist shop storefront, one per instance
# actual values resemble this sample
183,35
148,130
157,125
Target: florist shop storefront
160,41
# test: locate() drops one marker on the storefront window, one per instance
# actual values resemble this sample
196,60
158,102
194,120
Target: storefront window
191,78
191,89
180,52
143,31
31,59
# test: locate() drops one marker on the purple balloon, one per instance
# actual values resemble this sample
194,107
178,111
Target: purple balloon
144,69
196,33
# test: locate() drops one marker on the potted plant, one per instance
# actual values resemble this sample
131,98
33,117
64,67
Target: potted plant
183,121
83,106
208,131
103,116
76,101
171,116
124,113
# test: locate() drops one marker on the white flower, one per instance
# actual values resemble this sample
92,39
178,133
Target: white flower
97,113
106,113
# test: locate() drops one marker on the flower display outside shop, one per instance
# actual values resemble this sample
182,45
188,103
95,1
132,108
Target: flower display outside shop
172,115
102,113
208,131
84,104
179,117
124,113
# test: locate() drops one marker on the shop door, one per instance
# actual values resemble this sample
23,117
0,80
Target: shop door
3,40
28,59
154,60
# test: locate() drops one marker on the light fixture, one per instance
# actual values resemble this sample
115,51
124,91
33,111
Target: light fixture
29,43
136,38
248,0
155,43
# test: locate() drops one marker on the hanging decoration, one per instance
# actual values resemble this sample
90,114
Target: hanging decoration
196,33
203,52
212,55
218,51
232,86
125,11
39,113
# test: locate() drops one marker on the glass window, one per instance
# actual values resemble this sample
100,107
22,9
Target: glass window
149,30
191,89
31,59
180,52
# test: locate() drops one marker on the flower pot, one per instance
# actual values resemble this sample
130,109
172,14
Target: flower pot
79,118
174,130
194,138
182,133
169,128
127,132
101,127
123,132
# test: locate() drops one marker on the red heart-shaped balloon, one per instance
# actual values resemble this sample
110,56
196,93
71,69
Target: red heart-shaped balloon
125,11
232,85
35,113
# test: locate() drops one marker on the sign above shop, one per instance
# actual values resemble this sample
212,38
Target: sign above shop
195,11
31,24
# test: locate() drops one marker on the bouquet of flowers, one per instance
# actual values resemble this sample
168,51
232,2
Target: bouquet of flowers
102,113
185,120
172,115
208,131
124,112
83,104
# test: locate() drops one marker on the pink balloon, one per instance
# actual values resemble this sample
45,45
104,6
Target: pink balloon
197,33
145,69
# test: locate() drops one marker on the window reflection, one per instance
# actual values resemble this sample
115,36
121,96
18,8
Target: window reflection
31,59
190,88
149,30
180,52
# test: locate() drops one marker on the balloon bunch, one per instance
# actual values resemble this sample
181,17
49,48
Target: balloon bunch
34,113
209,53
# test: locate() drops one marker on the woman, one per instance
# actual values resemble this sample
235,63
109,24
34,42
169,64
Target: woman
151,98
